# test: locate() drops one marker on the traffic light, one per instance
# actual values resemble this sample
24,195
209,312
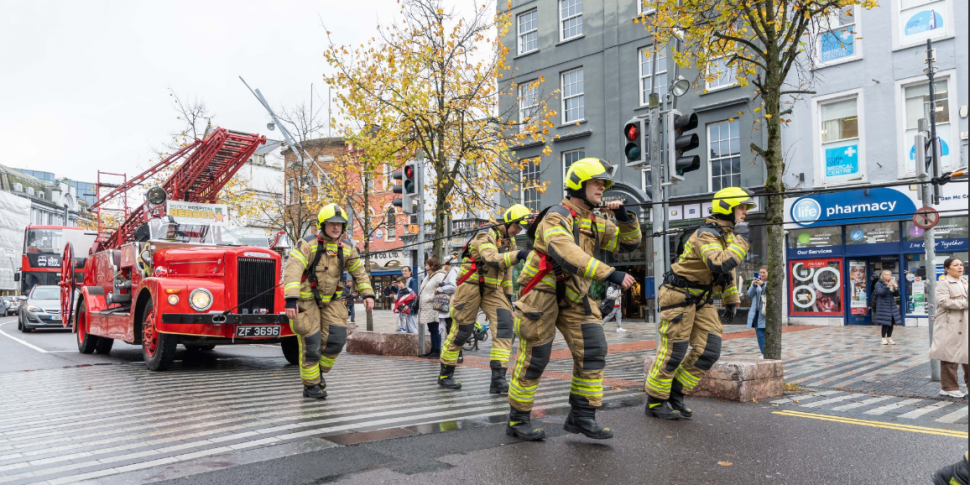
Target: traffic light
684,142
410,181
401,187
633,142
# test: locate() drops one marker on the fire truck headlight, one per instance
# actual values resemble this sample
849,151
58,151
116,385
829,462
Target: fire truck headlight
173,300
200,299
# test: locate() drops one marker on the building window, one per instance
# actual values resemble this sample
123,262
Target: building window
647,83
290,191
388,174
573,104
390,220
915,21
646,7
528,32
569,158
530,184
916,106
720,74
571,19
836,37
840,141
528,104
724,144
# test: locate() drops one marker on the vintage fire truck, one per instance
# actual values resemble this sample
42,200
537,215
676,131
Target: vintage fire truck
172,272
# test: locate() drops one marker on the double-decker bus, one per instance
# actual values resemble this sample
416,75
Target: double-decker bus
43,250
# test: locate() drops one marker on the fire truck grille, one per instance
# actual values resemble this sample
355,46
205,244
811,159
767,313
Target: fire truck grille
257,276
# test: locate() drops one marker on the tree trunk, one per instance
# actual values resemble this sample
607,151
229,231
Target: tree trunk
366,235
774,162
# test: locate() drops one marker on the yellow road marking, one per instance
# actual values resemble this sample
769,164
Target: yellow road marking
875,424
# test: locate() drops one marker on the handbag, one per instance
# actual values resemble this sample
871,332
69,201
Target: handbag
441,302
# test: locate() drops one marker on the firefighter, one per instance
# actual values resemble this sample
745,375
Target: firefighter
688,317
312,288
485,282
555,282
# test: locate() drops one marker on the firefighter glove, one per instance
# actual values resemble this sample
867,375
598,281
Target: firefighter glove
291,303
622,215
522,255
727,314
616,277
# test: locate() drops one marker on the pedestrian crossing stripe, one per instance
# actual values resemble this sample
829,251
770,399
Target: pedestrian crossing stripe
875,424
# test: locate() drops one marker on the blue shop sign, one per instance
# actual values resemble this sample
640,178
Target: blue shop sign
942,246
837,44
853,207
822,252
842,161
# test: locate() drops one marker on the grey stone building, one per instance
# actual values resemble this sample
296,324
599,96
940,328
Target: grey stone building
596,55
857,130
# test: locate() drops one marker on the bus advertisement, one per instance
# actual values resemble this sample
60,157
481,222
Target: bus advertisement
43,250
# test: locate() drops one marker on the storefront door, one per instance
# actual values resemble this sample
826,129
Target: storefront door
863,274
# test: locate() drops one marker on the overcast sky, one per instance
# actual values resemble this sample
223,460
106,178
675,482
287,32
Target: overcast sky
84,84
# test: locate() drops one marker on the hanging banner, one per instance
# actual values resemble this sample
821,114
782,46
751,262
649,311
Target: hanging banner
198,213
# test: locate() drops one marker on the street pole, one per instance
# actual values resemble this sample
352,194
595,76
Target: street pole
929,245
656,195
419,251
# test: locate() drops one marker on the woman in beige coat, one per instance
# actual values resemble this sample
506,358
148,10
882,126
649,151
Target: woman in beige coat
950,328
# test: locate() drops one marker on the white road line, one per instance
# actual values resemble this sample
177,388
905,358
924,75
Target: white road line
891,407
861,403
954,416
925,410
829,401
15,339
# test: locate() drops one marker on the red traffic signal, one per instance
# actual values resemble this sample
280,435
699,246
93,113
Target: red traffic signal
633,147
632,131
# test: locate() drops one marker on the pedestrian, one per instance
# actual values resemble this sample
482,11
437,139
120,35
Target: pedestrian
704,268
611,306
402,306
756,315
950,329
447,287
555,283
427,315
309,289
390,291
485,282
887,311
411,282
350,299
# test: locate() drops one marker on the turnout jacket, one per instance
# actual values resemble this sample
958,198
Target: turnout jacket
495,256
328,270
572,242
708,255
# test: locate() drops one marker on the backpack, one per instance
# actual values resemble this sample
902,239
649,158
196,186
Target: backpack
687,233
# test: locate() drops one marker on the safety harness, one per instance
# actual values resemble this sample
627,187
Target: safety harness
475,268
683,285
310,274
548,264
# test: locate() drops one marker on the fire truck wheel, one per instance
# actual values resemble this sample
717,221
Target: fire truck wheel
86,342
291,349
199,348
157,348
103,346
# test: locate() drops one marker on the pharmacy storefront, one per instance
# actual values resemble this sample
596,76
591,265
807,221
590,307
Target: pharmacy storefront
838,245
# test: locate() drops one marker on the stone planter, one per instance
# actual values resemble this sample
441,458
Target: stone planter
739,379
379,343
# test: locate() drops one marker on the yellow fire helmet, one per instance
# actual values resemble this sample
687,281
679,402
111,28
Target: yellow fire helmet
517,214
588,169
725,200
332,213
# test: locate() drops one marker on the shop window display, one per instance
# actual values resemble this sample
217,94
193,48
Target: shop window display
816,287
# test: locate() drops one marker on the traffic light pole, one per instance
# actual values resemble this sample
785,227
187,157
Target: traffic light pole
419,251
656,195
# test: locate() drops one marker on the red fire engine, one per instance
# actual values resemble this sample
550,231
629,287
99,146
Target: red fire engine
171,273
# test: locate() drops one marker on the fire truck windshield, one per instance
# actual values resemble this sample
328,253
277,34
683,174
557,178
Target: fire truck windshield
52,241
169,230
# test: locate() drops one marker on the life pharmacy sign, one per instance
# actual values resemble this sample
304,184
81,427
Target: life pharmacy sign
851,207
198,213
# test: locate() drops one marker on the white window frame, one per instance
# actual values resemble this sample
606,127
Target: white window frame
388,172
390,231
817,102
641,54
522,181
856,30
562,159
562,21
733,77
562,90
946,33
707,134
290,191
645,11
518,27
903,144
523,109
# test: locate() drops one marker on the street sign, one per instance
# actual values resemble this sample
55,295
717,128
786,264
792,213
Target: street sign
926,218
413,229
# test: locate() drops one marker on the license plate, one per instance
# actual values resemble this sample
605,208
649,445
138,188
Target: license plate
258,331
55,319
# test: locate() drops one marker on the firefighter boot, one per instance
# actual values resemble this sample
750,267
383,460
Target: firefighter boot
583,420
316,391
952,474
660,408
677,399
447,378
499,384
520,427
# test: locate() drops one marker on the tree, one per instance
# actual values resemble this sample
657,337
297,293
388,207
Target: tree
769,45
431,83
